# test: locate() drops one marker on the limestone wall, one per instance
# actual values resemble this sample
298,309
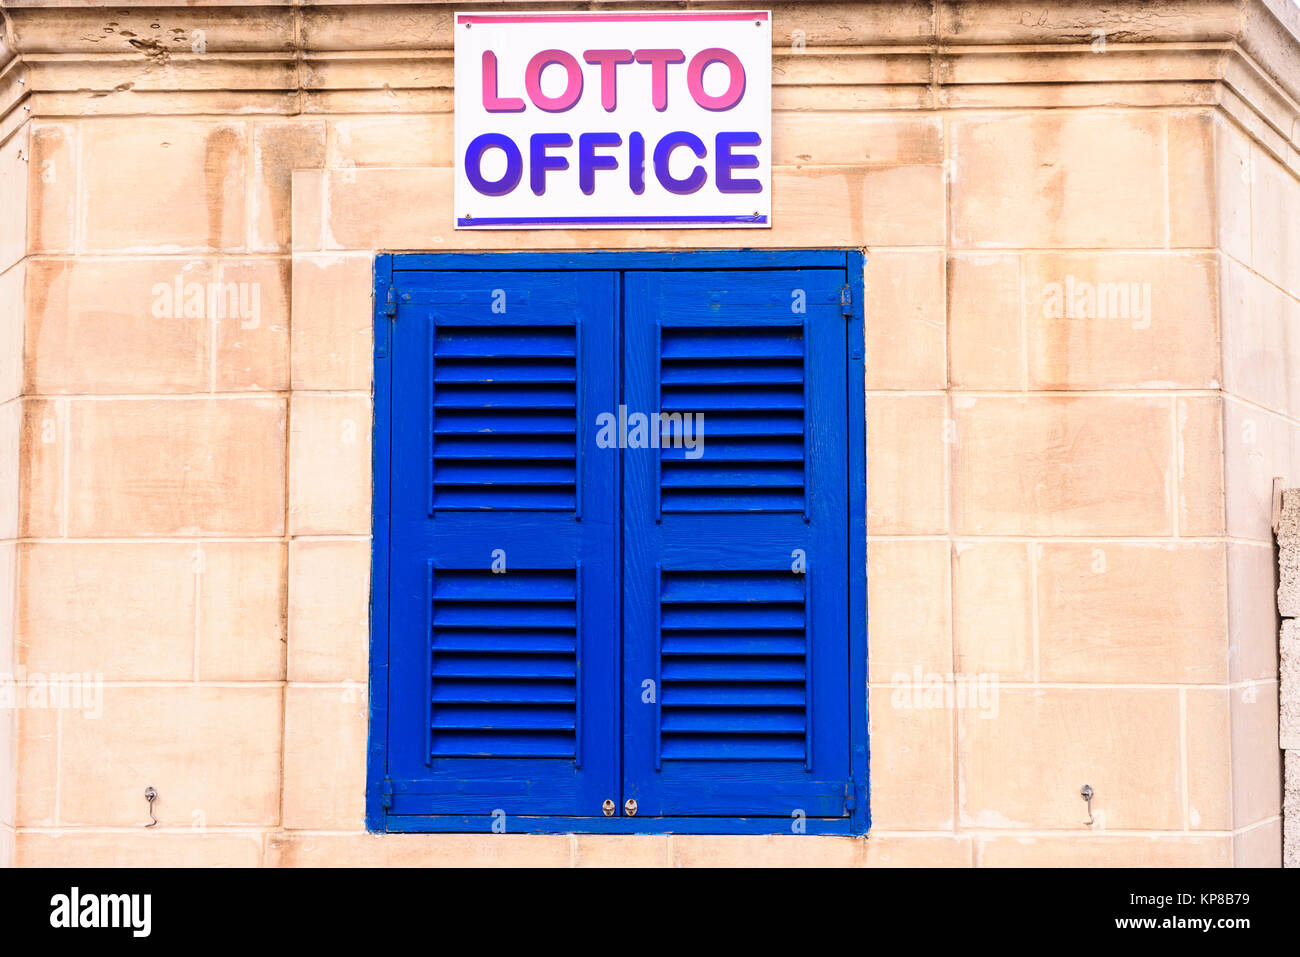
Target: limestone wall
1068,502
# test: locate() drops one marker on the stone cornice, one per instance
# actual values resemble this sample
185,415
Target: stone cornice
72,58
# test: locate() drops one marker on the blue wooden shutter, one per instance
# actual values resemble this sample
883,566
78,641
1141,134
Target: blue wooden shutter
502,684
747,658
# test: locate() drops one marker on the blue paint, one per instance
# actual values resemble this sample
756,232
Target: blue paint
728,604
411,265
377,751
459,824
486,384
504,691
856,563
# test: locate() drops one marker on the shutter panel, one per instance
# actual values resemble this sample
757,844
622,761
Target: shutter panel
747,380
747,656
503,430
503,674
504,663
733,658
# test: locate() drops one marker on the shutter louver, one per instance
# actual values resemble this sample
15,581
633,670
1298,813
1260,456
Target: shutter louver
504,664
748,383
732,659
504,417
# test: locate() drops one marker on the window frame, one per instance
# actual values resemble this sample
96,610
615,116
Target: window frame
388,268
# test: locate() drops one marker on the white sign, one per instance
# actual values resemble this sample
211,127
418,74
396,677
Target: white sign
615,120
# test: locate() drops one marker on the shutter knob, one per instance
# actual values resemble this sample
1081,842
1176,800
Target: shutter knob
630,807
608,807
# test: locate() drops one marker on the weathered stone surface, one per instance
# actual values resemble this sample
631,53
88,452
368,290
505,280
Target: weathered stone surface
1059,466
908,591
993,609
1258,446
1022,762
1289,687
1006,445
1103,851
911,765
1260,845
1288,560
1200,465
1110,611
1256,760
1291,811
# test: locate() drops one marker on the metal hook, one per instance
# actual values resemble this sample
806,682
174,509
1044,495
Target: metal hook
1086,794
149,795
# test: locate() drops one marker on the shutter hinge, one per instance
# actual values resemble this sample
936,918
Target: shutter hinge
850,801
846,301
392,303
386,794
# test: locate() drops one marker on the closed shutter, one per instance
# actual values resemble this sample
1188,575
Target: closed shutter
734,561
503,558
580,611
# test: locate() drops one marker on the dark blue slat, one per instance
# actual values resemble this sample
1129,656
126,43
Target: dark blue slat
733,668
737,748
